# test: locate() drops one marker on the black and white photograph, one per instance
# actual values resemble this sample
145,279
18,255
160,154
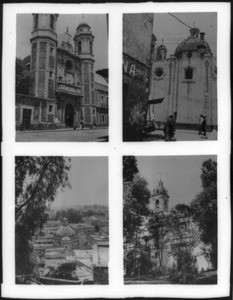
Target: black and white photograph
170,76
97,202
61,78
170,219
61,220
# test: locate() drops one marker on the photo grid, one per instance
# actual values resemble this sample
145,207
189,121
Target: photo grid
122,215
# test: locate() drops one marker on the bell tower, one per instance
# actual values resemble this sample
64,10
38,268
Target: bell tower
159,200
83,41
43,54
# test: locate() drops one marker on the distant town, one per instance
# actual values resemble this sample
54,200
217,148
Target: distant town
72,247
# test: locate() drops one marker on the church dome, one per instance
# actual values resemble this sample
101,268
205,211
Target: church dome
83,24
160,189
65,239
83,29
194,42
65,230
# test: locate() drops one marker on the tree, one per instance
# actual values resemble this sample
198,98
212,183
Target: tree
186,265
174,231
24,79
205,210
159,227
184,238
60,214
209,174
181,211
74,216
64,271
129,168
183,230
142,265
37,180
136,198
97,228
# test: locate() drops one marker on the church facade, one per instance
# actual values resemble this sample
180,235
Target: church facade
185,83
164,249
64,91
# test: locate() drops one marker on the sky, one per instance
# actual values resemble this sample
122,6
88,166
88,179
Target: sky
87,186
97,22
180,175
173,32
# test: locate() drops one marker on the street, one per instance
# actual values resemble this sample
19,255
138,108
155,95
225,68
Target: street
101,135
63,135
182,135
149,280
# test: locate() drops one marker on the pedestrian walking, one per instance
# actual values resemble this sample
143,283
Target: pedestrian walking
202,125
174,119
169,128
82,124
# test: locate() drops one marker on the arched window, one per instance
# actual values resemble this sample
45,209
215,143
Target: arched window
189,73
189,54
91,47
79,47
51,22
157,203
69,65
35,21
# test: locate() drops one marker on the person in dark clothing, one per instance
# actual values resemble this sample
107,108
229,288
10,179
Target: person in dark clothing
169,128
174,119
202,125
82,124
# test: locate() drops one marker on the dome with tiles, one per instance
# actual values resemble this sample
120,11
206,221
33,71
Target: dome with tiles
160,189
195,42
65,230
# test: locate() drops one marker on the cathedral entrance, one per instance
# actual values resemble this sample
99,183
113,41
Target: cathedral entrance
26,118
69,115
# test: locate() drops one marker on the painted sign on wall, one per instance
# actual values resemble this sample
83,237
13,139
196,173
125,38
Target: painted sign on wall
133,68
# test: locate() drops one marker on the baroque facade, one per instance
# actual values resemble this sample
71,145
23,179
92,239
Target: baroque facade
156,86
64,91
163,252
185,82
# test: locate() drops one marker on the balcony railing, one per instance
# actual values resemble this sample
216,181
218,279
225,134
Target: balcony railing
102,105
68,89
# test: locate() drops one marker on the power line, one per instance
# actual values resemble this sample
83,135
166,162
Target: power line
179,20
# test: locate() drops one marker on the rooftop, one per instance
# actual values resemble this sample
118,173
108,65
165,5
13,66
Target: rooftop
193,43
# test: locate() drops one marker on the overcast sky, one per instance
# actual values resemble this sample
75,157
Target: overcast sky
97,22
89,180
180,175
173,32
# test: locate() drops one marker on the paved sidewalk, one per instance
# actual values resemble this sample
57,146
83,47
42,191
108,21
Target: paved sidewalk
182,135
149,280
63,135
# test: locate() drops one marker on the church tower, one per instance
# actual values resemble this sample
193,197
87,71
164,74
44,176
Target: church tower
43,54
83,40
159,200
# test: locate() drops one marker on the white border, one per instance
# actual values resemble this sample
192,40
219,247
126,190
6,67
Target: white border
115,149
